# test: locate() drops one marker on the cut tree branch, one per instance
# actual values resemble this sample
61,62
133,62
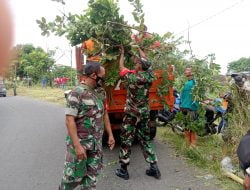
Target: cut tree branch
124,25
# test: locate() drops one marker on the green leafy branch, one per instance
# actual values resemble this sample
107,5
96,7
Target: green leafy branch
138,13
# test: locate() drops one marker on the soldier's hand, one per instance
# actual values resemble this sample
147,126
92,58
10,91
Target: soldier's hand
80,152
111,142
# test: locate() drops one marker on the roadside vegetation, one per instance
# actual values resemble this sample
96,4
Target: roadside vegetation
210,150
54,95
34,65
207,155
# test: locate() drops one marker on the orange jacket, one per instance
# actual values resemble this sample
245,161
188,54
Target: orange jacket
90,48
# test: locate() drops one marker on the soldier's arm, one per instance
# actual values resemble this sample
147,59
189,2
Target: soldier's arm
142,54
71,112
123,70
121,63
72,131
107,125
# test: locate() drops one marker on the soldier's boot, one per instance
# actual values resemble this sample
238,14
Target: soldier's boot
122,172
154,171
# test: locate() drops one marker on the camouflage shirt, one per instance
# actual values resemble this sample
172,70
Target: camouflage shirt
138,85
86,105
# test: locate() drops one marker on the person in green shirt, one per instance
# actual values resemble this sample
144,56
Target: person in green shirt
188,106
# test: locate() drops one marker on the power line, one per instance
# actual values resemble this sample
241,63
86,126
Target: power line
212,16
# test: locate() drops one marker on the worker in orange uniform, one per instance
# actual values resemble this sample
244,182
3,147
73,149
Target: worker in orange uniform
92,49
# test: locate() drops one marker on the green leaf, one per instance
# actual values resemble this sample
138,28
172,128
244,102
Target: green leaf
43,20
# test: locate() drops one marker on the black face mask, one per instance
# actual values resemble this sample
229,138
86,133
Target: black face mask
99,81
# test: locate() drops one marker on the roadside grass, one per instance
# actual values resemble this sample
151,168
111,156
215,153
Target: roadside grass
208,153
54,95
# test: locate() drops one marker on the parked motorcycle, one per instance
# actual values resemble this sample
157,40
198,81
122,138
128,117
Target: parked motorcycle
213,125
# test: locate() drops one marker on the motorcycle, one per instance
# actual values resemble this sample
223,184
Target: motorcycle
213,125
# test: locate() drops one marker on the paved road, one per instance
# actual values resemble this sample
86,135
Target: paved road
32,148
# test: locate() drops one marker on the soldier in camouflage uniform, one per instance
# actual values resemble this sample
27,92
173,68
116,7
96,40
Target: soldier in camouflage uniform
85,119
137,112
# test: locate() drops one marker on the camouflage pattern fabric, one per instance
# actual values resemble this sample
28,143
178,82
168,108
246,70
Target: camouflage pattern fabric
142,132
87,106
137,112
138,85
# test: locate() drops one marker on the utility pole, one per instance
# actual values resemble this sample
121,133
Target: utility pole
14,79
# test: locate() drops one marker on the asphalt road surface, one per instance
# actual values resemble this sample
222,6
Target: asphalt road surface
32,145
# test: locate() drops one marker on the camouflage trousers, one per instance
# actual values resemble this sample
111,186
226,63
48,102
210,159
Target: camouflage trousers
136,127
81,173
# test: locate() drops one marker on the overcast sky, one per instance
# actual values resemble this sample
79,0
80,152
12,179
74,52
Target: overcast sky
226,33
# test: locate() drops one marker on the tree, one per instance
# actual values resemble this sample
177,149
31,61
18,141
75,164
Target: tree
33,62
243,64
103,22
91,23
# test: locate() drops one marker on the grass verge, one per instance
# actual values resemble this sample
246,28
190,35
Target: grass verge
54,95
207,155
